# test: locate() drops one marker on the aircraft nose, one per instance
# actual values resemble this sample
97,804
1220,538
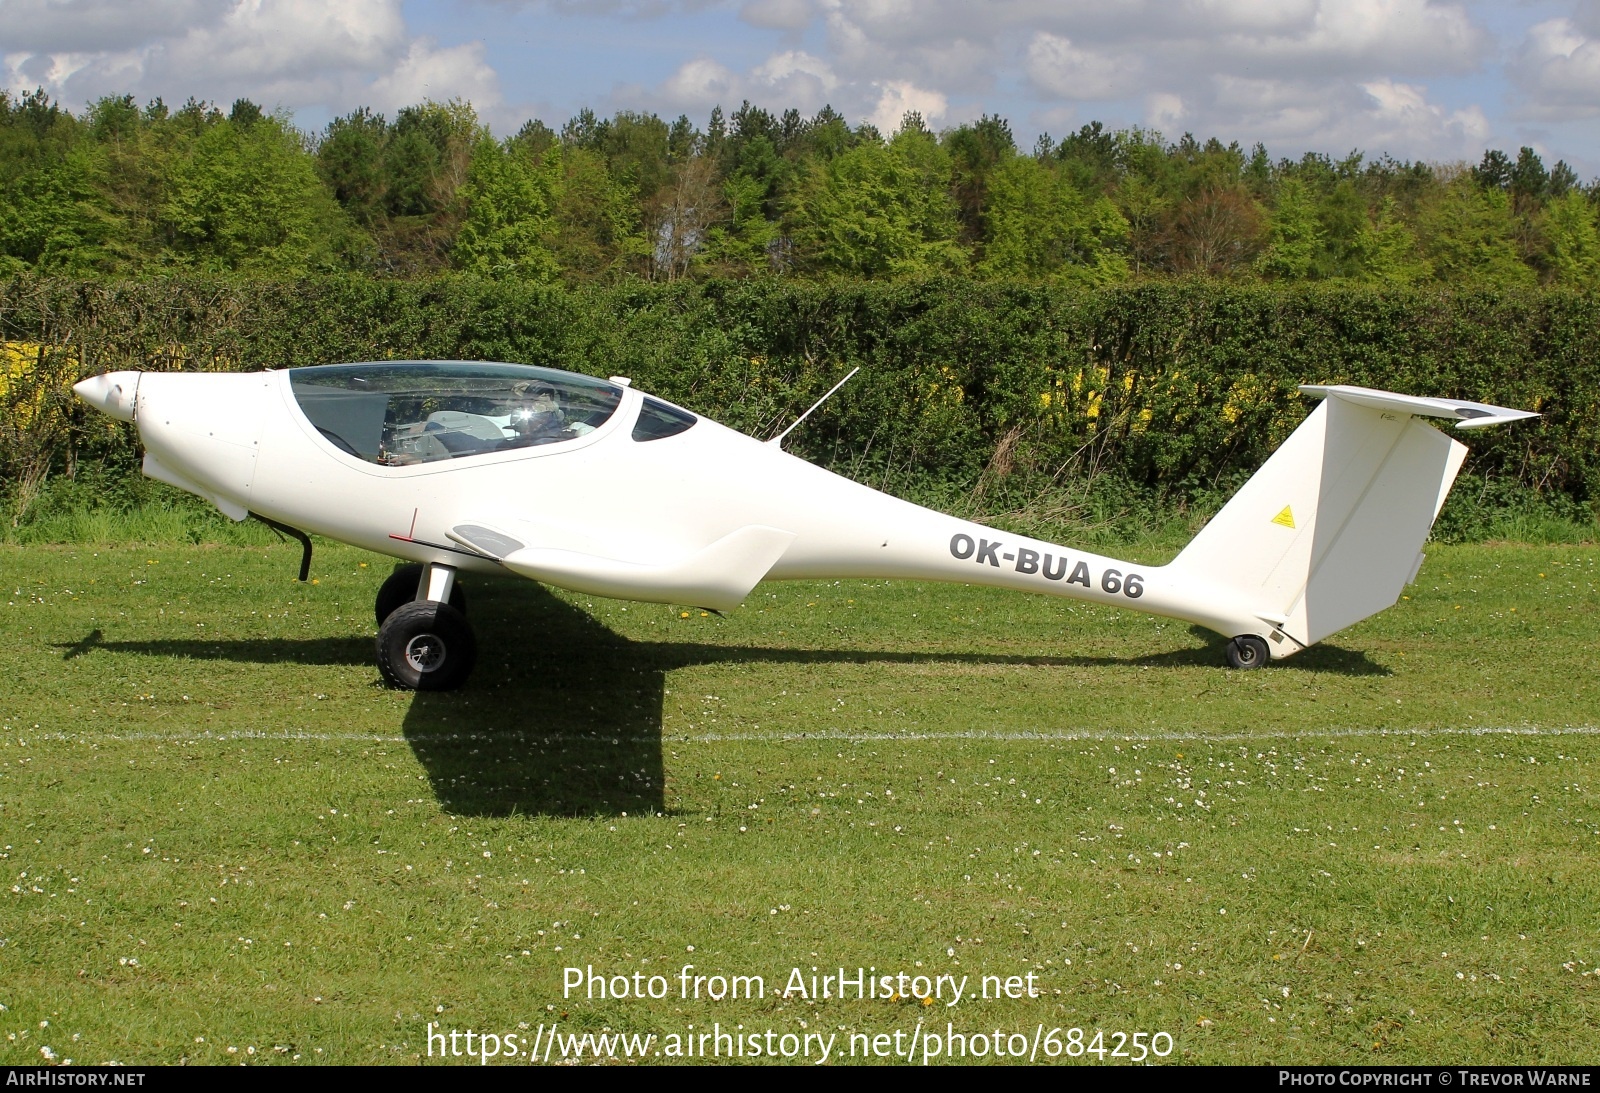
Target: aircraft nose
112,393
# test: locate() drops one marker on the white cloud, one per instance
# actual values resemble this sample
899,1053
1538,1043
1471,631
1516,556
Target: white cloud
1309,73
1376,116
701,84
792,78
68,26
1322,74
796,79
1354,37
917,40
1401,114
428,72
899,97
1425,36
1163,110
1060,69
289,53
1558,70
1298,70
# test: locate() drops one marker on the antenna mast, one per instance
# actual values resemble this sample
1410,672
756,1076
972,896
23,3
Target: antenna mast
778,440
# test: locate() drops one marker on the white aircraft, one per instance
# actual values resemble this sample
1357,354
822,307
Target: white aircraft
597,487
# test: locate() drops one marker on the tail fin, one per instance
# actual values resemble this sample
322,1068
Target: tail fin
1330,530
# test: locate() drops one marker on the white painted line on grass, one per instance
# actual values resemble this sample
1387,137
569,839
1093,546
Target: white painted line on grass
1064,736
1139,737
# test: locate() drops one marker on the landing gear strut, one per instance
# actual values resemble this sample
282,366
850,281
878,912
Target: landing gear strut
424,641
404,585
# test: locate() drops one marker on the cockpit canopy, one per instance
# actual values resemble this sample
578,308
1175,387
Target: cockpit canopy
397,413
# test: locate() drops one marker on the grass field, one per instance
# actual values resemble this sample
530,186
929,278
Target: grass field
226,842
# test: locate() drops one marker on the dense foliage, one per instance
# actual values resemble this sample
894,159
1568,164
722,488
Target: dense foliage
997,396
122,190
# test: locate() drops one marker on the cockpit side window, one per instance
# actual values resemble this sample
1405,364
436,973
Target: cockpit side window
397,413
658,420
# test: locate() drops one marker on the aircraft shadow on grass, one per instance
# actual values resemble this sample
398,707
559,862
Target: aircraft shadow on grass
564,716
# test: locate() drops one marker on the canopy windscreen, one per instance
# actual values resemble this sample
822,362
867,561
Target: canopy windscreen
397,413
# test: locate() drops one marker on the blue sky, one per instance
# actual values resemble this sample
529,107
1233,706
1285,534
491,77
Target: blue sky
1417,79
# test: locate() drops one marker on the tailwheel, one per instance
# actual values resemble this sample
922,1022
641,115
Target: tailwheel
426,646
401,587
1247,651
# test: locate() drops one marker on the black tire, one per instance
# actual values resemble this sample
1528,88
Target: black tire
401,587
1248,651
425,646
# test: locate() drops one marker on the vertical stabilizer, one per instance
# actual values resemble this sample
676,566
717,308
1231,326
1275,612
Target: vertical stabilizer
1331,529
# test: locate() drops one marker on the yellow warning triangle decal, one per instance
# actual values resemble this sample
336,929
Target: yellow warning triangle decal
1285,518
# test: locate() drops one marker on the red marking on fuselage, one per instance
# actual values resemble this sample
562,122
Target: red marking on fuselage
409,536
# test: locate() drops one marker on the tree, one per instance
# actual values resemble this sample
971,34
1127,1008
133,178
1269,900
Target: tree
1471,236
508,218
827,135
1294,236
746,241
1145,195
1494,172
425,161
534,138
244,113
975,150
121,190
1341,217
1217,231
682,217
52,217
637,148
426,158
1562,179
1529,182
247,198
879,210
1041,226
1386,250
768,174
350,160
54,220
1572,242
1089,158
126,160
683,139
595,234
585,130
750,123
716,132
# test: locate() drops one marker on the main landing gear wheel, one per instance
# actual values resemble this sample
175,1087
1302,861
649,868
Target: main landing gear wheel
1247,651
401,587
426,646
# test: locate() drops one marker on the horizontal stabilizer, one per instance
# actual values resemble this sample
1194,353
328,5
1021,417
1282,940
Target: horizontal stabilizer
717,577
1466,415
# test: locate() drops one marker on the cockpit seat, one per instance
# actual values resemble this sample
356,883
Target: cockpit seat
473,425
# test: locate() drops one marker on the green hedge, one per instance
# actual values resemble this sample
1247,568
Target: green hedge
967,389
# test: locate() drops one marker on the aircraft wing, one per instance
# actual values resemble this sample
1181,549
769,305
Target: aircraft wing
717,576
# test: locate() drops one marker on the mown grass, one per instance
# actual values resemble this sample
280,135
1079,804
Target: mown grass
221,832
